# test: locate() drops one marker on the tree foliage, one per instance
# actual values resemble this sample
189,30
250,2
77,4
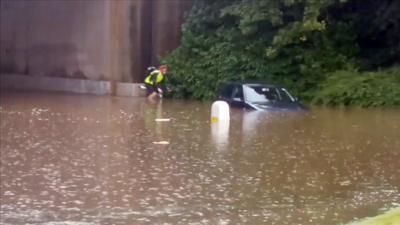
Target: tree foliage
365,89
296,43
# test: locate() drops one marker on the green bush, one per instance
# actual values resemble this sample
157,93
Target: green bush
221,43
391,217
364,89
306,46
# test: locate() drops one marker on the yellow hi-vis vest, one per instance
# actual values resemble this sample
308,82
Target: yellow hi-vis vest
149,78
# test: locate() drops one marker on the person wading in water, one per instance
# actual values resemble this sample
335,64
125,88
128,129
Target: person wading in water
154,82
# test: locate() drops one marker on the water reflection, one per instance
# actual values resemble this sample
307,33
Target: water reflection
220,134
250,121
90,159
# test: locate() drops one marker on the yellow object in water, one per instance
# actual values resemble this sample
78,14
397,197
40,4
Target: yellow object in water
214,119
392,217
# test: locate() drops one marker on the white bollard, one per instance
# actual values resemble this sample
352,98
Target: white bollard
219,111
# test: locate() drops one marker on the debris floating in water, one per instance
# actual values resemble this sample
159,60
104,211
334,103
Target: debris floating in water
345,183
161,142
163,119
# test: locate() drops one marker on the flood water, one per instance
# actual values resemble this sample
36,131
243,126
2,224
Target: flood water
76,159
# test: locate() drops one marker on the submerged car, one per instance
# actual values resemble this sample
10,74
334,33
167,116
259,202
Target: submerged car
259,96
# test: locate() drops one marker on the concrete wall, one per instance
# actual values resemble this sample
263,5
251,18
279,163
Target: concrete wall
60,84
166,26
55,38
97,39
155,31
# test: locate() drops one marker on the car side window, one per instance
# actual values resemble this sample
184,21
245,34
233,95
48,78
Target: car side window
226,91
271,94
237,93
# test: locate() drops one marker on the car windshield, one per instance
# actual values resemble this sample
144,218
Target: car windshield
262,94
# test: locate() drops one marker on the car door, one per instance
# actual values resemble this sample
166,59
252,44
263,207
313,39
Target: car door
237,98
225,93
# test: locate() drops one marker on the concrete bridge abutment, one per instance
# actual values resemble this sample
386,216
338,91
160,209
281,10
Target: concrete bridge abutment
104,41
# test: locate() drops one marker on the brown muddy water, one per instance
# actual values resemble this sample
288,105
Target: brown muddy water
76,159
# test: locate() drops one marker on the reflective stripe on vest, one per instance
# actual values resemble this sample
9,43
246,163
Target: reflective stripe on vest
159,77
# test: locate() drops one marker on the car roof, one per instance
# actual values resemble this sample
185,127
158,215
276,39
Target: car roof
250,83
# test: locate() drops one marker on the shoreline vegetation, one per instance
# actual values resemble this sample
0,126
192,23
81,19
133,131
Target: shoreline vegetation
391,217
336,53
